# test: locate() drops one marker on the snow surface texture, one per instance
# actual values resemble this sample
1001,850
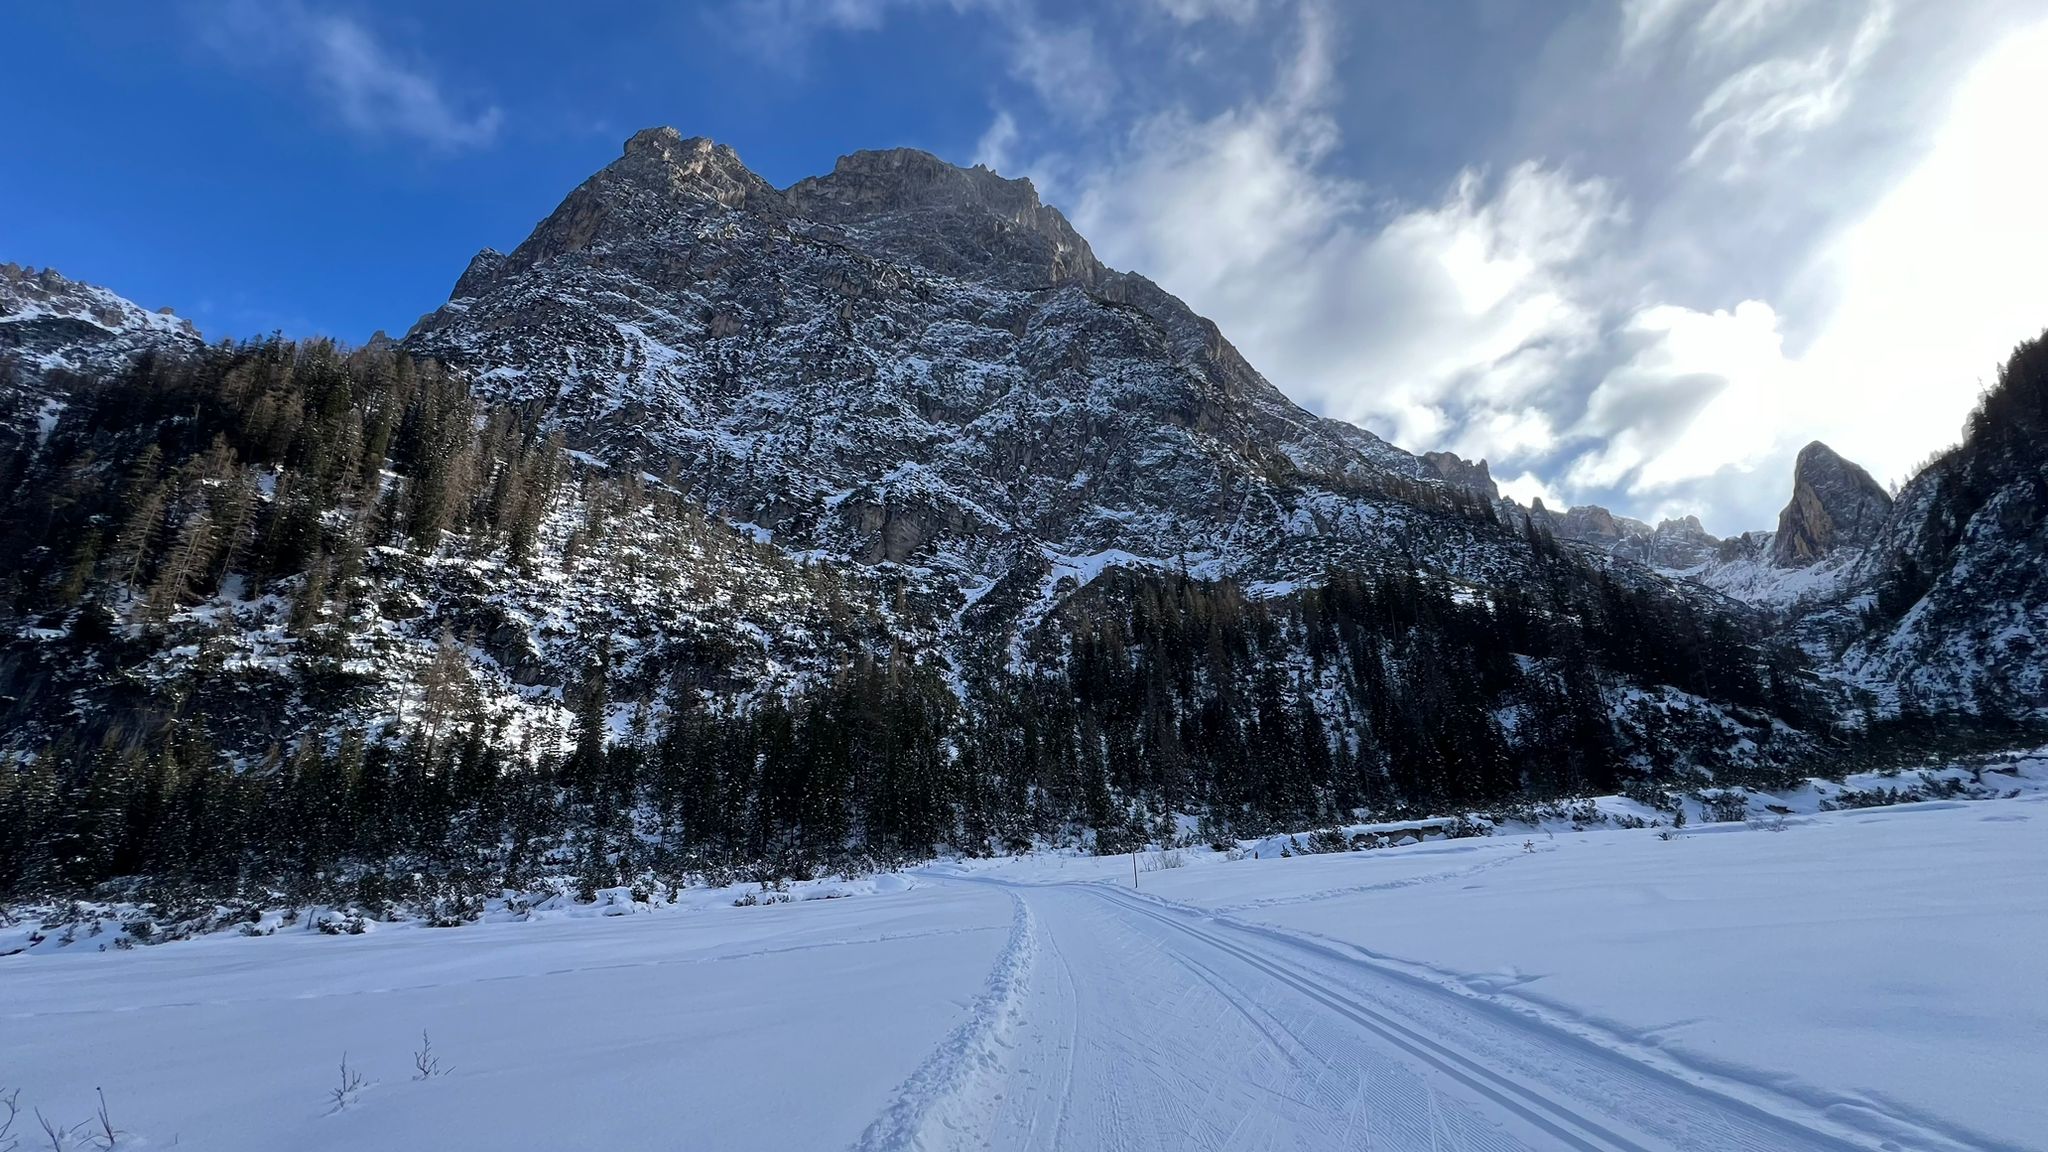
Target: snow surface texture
1854,979
785,1026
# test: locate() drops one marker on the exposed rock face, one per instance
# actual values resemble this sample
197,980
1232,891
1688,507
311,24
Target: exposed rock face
482,267
965,222
1459,472
906,361
1836,512
1835,504
1592,524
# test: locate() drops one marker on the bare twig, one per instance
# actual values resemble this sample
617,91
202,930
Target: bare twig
425,1064
59,1137
351,1083
108,1135
11,1103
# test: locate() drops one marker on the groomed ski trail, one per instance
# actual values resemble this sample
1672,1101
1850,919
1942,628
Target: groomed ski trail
1125,1024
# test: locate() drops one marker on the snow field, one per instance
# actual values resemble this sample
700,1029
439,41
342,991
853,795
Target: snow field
1853,979
787,1026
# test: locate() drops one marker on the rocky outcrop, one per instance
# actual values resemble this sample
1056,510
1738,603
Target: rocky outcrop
1592,524
50,323
958,221
1836,511
1835,504
1459,472
477,276
52,328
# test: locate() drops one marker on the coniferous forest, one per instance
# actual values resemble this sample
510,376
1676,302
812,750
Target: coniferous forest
258,645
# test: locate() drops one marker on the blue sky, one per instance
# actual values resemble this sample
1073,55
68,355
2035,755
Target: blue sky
1633,252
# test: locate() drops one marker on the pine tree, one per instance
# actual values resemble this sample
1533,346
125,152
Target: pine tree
186,563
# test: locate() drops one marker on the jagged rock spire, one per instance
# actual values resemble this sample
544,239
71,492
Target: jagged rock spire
1835,504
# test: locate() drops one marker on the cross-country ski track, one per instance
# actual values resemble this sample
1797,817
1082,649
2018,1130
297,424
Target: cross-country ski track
1129,1024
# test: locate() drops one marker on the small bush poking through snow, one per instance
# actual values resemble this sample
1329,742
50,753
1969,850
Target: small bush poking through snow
1163,859
1726,806
425,1064
350,1086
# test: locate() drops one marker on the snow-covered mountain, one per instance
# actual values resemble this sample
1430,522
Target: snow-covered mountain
1950,596
905,361
49,323
51,326
911,362
1936,601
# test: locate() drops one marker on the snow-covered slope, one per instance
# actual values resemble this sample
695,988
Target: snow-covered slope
49,323
51,326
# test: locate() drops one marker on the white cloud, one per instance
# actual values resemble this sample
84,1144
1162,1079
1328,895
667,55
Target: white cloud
1520,317
1711,26
1701,392
1785,97
1930,291
363,83
774,20
1444,326
1529,488
1195,11
1060,61
1732,23
780,31
1061,64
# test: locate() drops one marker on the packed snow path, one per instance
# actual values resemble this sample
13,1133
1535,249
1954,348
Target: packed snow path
1147,1026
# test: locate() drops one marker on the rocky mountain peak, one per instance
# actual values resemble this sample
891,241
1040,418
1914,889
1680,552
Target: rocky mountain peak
906,358
1835,504
691,167
1684,526
660,177
967,222
1592,524
52,326
881,179
29,293
1678,546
